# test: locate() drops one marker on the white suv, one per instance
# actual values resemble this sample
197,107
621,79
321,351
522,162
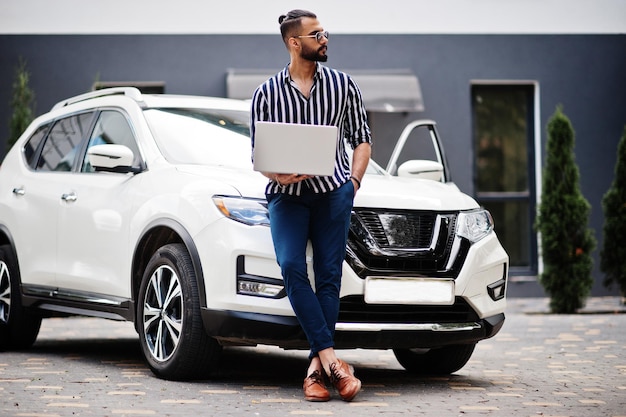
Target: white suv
146,208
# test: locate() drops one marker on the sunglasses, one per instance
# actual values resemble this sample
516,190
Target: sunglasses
317,35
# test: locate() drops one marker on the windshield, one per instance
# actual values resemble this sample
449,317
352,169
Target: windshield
202,136
208,137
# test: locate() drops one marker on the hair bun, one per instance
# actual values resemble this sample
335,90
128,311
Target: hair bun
281,18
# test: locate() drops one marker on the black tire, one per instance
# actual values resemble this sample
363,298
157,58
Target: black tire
18,328
440,361
172,337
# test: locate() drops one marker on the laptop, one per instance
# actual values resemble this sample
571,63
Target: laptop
289,148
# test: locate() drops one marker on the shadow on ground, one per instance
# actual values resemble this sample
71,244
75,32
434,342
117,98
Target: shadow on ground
240,365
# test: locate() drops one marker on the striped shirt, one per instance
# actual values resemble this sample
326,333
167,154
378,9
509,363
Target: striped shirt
334,100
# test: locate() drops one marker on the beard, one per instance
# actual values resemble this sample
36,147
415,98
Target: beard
311,54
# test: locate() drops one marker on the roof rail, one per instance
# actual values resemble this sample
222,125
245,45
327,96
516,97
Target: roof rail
131,92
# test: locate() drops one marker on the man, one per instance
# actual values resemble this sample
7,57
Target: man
304,207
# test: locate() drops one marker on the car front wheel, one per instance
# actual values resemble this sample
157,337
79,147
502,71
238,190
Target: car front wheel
18,328
172,336
440,361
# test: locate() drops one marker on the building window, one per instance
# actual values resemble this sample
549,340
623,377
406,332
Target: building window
504,173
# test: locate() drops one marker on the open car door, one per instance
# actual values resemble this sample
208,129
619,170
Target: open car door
419,153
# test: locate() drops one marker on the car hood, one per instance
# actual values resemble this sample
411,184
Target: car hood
384,191
242,181
379,191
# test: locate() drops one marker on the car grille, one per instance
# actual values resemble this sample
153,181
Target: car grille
402,242
353,309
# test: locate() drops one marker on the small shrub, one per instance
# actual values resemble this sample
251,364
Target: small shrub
566,241
22,104
613,253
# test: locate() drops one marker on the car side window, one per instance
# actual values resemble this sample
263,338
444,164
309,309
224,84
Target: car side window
32,145
112,128
63,144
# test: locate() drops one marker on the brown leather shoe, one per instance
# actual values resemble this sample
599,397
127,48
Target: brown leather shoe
314,388
343,379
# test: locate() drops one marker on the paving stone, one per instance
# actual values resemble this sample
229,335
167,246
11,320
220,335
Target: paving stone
539,365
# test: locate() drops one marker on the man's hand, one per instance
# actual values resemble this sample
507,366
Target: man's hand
286,179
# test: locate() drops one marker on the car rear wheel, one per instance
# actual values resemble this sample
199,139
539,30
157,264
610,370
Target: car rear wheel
18,328
440,361
172,336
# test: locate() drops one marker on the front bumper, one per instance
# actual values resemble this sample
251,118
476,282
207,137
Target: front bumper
243,328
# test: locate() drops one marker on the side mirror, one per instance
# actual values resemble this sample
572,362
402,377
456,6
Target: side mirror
423,169
111,158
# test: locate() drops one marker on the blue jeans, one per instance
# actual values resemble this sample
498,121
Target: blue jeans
324,219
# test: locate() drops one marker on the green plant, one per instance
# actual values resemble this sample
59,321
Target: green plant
566,241
613,253
22,103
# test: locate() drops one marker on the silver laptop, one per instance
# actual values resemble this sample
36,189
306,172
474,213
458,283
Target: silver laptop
289,148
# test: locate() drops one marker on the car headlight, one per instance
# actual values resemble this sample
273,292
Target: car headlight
474,225
250,211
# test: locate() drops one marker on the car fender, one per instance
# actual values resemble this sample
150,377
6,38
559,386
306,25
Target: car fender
143,252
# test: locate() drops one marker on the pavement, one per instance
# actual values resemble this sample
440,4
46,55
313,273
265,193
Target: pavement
541,305
540,364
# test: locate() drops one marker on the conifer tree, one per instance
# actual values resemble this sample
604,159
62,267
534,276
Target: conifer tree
21,103
613,253
566,241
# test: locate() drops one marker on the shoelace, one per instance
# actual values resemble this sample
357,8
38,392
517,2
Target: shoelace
335,375
316,378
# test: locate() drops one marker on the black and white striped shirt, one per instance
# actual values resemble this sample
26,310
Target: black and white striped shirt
334,100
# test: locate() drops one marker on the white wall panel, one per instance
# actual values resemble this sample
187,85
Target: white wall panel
345,16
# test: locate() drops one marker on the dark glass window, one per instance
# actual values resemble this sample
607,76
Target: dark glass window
501,139
63,144
112,128
504,180
32,145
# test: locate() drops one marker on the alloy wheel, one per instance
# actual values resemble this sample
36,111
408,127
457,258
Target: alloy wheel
5,293
163,313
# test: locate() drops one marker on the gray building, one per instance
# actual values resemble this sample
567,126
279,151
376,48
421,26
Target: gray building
491,95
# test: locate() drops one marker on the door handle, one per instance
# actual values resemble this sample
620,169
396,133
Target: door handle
19,191
69,197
